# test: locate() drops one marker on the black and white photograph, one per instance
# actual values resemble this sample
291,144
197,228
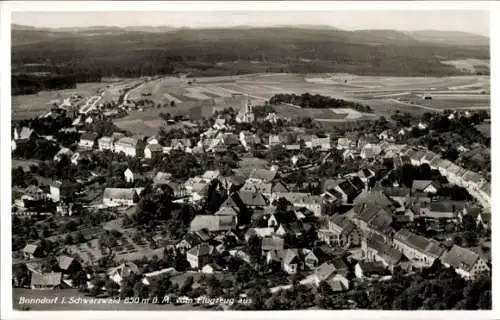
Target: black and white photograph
248,160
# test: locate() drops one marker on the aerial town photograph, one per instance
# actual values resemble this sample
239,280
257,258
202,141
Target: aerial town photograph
250,160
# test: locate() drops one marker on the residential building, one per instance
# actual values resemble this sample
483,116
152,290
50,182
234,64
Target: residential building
213,223
425,186
46,281
120,196
131,147
200,255
421,251
105,143
376,249
123,271
466,263
87,140
128,175
328,273
32,251
152,150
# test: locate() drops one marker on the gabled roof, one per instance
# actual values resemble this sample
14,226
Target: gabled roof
30,248
396,192
203,249
212,223
289,255
260,232
126,141
385,251
252,199
263,174
419,185
25,133
90,136
428,246
227,211
374,197
372,266
460,258
155,147
46,279
272,243
64,262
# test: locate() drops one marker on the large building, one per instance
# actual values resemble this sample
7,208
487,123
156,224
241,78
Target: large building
129,146
420,251
246,115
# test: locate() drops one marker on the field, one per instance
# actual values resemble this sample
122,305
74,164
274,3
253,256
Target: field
199,97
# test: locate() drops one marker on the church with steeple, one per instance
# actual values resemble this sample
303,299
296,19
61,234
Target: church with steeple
246,114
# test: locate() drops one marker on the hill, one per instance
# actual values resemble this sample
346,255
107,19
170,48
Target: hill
450,37
131,52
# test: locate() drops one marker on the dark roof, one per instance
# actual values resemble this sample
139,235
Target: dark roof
372,267
377,197
203,249
88,136
385,251
428,246
396,192
252,199
348,189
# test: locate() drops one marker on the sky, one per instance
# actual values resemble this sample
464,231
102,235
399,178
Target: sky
450,20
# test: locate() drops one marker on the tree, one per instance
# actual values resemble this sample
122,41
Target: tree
112,288
187,286
254,247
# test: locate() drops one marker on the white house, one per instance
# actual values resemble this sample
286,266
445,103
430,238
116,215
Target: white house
119,196
151,150
105,143
87,140
129,146
129,175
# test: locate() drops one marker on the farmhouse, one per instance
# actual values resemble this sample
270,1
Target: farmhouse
213,223
120,196
466,263
425,186
124,270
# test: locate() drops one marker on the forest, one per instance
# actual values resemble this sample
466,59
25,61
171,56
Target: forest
307,100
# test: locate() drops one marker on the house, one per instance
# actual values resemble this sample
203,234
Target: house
123,271
466,263
87,140
375,197
370,151
272,243
321,144
200,255
259,232
376,249
120,196
398,194
365,175
152,140
440,210
372,218
302,200
425,186
129,146
148,278
68,265
31,251
248,139
55,190
252,199
484,219
162,178
262,175
22,134
421,251
368,268
211,268
46,281
61,153
105,143
346,143
180,144
152,150
274,140
386,135
327,272
340,231
128,175
213,223
349,189
289,259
